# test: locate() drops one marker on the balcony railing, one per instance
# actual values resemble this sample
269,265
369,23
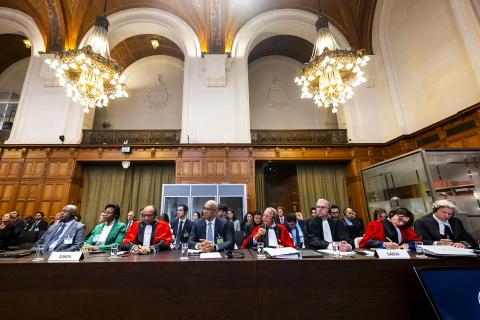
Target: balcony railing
299,137
133,137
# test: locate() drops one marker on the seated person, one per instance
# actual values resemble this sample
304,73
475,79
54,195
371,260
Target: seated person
296,229
18,225
273,235
394,232
257,220
67,235
6,231
323,230
441,227
149,235
111,231
211,233
38,224
182,226
352,223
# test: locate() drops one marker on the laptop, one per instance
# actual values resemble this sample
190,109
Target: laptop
453,292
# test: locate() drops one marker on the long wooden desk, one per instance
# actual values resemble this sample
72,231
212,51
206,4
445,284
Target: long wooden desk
162,286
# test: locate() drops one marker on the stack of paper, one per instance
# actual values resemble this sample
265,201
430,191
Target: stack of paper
342,253
283,253
448,251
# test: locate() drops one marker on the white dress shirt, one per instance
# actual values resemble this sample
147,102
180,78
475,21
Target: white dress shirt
147,235
327,233
399,234
272,236
104,234
441,225
67,225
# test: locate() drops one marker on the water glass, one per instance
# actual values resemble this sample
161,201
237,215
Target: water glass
260,250
184,254
336,249
39,252
418,247
114,251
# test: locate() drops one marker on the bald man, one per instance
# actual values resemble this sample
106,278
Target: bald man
67,234
211,233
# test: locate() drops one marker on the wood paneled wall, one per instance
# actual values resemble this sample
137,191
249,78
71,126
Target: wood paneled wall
48,177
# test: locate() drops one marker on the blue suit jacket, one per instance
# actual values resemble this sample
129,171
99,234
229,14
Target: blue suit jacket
76,231
223,229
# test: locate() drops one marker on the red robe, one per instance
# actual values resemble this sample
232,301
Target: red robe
161,233
375,231
285,239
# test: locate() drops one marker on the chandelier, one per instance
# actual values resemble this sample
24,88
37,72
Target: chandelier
332,72
90,76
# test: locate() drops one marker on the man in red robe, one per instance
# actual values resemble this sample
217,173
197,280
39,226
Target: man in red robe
273,235
149,235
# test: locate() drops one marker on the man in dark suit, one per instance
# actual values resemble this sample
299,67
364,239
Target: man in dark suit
130,219
38,224
67,235
296,229
352,223
322,230
441,227
280,216
211,233
181,226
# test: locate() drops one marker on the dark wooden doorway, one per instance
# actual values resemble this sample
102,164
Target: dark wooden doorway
281,186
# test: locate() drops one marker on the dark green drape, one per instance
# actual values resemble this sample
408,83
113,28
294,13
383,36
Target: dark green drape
321,181
132,189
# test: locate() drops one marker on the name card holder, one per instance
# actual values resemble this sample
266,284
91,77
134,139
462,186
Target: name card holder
392,254
58,256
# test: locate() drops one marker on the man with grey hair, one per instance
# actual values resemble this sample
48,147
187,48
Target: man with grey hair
211,233
441,227
322,230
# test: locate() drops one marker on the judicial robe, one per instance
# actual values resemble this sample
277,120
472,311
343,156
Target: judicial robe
283,237
378,230
160,240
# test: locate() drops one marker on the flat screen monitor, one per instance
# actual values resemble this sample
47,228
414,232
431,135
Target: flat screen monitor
453,292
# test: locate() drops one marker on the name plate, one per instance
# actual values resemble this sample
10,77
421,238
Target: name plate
65,256
392,254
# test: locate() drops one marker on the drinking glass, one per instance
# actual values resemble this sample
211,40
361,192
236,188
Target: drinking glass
336,249
418,247
260,250
184,255
39,252
114,251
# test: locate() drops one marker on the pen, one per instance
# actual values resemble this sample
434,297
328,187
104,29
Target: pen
389,240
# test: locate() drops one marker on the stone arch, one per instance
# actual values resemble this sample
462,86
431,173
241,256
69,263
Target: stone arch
292,22
127,23
17,22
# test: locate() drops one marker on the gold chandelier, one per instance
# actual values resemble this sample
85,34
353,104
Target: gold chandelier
332,72
90,76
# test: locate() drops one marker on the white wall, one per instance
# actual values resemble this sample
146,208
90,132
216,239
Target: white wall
429,70
155,86
12,78
275,99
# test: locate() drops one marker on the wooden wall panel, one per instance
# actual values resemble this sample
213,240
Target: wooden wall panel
10,169
7,197
34,169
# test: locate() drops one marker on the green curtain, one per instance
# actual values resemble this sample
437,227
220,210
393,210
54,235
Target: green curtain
132,189
260,186
321,181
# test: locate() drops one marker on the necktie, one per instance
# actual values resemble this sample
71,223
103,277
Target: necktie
56,236
209,232
448,232
297,236
129,224
32,228
179,233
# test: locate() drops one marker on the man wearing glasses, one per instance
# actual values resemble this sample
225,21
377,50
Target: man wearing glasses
211,233
323,231
148,235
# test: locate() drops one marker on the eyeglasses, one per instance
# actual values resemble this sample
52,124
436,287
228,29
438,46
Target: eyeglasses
208,209
147,215
322,207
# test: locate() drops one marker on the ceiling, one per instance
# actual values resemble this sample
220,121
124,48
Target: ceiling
13,50
63,23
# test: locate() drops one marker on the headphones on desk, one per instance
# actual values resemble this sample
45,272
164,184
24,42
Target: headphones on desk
232,254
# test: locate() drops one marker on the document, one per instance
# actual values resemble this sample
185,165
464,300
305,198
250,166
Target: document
448,251
210,255
282,253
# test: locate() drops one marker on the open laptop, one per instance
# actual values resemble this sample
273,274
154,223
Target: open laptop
453,292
